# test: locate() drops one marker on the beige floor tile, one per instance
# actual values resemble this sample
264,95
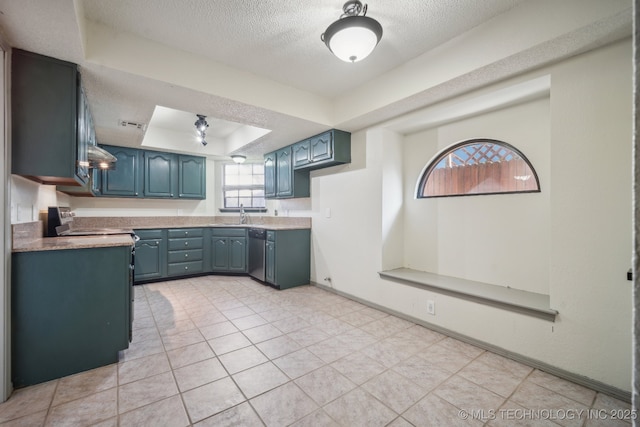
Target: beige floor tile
461,347
421,372
137,350
291,324
85,411
395,391
278,347
357,338
241,415
331,349
28,401
207,319
571,390
31,420
511,366
283,405
490,377
85,383
324,385
318,418
143,367
444,358
532,396
190,354
386,353
308,336
434,411
511,414
298,363
167,412
212,398
335,327
356,318
228,343
260,379
242,359
467,395
359,408
218,330
238,312
358,367
182,339
248,322
262,333
199,373
275,314
400,422
146,391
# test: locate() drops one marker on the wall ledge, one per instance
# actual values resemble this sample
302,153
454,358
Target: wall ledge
516,300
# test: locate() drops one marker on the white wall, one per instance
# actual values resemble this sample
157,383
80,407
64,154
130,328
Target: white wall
497,239
583,222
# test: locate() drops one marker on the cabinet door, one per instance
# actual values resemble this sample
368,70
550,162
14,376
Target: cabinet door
270,175
219,253
160,174
270,262
44,114
191,177
238,254
125,180
149,259
284,172
301,153
321,147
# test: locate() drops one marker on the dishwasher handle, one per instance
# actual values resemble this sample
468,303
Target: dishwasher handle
258,233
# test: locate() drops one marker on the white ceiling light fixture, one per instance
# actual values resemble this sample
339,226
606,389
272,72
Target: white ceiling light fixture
201,127
353,36
238,158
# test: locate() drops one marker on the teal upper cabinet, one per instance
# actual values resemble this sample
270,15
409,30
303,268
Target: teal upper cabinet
270,175
153,174
284,173
160,174
45,115
281,181
126,179
326,149
191,177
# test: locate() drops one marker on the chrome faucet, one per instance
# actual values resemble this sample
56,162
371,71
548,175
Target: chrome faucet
243,215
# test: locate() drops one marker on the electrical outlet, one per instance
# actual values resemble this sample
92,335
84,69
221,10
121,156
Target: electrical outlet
431,307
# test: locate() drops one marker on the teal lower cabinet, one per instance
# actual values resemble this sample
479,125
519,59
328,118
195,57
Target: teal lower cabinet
288,258
229,250
71,310
151,255
185,251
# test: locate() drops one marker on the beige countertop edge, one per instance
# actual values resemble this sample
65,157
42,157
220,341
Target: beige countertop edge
76,242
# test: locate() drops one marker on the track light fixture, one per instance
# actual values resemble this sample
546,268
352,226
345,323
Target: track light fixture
201,128
353,36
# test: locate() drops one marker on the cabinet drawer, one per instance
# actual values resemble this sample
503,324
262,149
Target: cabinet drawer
149,234
186,243
185,256
271,235
185,232
184,268
229,232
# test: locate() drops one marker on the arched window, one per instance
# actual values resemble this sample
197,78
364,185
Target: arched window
478,166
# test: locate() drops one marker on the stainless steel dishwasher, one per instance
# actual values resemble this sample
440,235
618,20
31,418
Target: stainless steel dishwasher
257,239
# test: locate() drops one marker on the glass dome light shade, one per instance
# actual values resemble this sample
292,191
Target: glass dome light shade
353,38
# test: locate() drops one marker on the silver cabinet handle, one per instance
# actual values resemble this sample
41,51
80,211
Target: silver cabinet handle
186,243
186,255
186,268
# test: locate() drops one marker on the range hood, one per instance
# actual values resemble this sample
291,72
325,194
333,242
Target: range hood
99,158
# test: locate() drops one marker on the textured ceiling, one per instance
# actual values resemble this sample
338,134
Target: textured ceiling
279,75
280,39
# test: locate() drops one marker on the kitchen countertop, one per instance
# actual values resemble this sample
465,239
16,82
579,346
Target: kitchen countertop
141,223
74,242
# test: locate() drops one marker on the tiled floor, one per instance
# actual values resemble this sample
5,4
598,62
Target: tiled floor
223,351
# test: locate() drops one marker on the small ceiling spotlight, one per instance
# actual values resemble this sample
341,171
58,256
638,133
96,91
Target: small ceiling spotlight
201,127
238,158
353,36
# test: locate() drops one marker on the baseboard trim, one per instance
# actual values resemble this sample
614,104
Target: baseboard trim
569,376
